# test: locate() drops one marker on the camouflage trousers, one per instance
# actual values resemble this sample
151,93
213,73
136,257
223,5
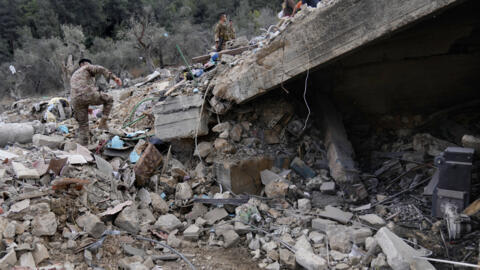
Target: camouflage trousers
80,105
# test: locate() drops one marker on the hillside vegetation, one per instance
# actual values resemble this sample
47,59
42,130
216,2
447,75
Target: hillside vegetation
42,38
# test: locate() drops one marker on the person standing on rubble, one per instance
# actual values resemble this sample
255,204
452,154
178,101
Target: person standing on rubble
221,33
310,3
84,93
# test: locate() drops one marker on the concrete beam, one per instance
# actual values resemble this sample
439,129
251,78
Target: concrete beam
319,37
179,117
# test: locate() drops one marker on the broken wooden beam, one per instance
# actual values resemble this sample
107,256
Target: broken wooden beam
205,58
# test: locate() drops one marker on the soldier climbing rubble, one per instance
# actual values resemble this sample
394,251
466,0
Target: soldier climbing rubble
84,93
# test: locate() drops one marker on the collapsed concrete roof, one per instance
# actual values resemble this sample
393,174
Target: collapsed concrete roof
317,38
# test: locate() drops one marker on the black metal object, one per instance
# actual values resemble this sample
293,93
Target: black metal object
453,179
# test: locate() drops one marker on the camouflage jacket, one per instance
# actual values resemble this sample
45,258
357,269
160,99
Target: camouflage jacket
83,80
221,32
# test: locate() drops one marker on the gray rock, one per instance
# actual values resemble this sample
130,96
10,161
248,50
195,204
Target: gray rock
380,262
27,260
230,238
192,232
399,254
92,225
269,246
22,172
339,239
316,237
133,251
168,223
373,219
183,191
304,205
137,266
303,243
287,258
158,204
144,196
204,149
54,142
146,216
215,215
323,225
338,256
336,214
359,235
273,266
268,176
254,244
219,128
369,243
9,260
128,220
9,232
309,260
198,210
44,225
328,188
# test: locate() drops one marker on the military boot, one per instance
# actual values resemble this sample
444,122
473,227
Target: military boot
82,139
103,124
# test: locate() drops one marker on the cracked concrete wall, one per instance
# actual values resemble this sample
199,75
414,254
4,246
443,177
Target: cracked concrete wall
316,39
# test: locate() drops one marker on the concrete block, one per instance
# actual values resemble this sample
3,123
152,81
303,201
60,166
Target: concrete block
179,117
242,176
399,254
11,133
53,142
309,260
322,225
22,172
336,214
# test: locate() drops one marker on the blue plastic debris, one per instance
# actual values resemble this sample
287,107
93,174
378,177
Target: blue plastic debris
116,143
134,157
163,195
63,129
195,90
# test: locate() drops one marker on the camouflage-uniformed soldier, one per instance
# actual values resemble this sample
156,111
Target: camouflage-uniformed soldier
221,33
84,93
231,31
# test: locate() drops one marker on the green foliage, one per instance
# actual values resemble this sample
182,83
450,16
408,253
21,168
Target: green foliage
37,36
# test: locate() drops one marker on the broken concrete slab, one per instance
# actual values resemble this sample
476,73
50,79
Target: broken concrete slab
92,225
27,260
9,260
309,260
215,215
399,255
326,34
180,117
336,214
13,132
22,172
323,225
192,232
7,155
44,225
373,219
242,176
53,142
168,223
128,220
